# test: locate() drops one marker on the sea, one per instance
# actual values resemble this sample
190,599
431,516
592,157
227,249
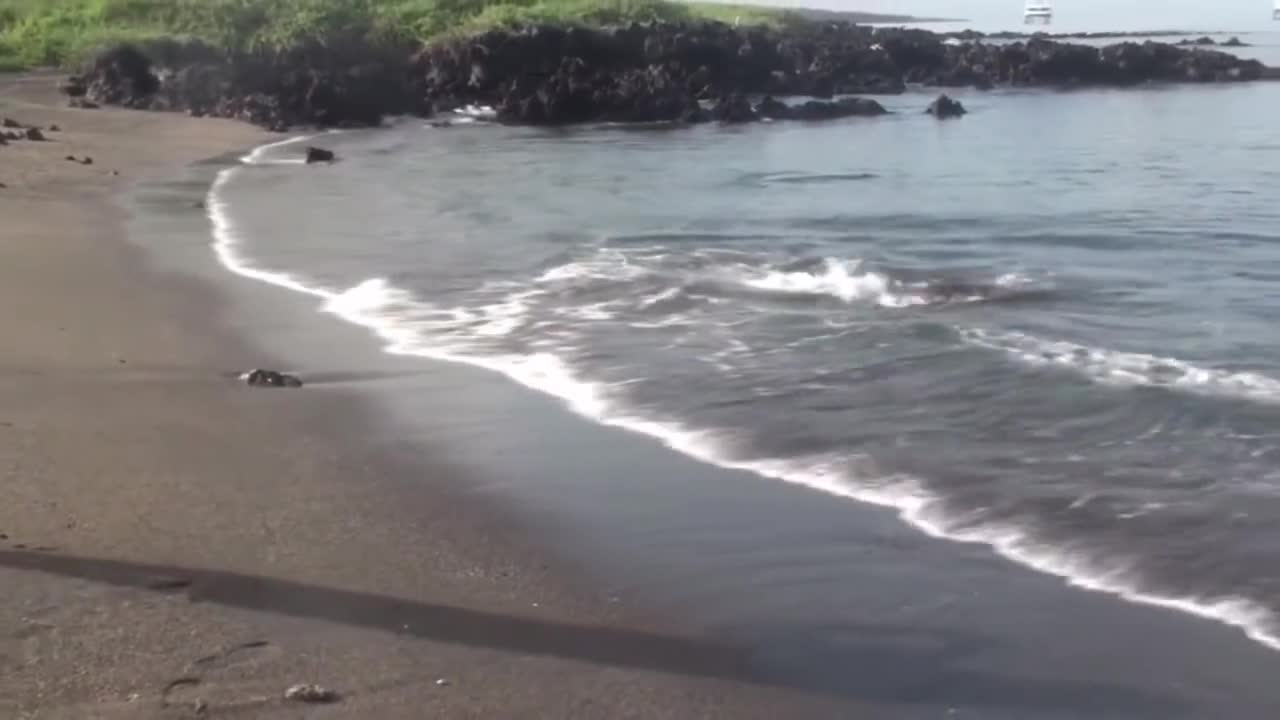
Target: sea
975,419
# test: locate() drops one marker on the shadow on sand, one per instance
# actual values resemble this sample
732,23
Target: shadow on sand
882,665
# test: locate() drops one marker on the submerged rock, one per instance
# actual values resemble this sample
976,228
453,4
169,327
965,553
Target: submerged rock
945,107
271,378
319,155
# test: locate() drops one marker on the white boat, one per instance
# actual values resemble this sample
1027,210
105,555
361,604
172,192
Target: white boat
1040,11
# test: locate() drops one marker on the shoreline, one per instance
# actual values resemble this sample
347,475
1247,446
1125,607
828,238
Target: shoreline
907,502
159,556
1126,610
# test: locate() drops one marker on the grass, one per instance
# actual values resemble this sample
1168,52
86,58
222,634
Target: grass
62,32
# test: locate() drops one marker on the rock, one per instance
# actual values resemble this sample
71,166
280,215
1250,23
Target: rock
319,155
944,107
845,107
773,108
1235,42
122,76
271,378
87,160
310,694
73,86
35,135
734,109
72,158
11,123
83,104
54,128
655,72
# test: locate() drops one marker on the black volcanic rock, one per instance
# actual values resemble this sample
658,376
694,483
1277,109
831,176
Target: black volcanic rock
319,155
661,72
945,107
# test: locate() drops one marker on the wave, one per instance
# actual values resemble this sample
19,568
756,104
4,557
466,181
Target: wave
408,326
1126,368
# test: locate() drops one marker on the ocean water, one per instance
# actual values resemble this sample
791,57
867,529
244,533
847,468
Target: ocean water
1045,330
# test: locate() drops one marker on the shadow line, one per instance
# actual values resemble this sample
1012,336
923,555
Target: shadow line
442,623
894,667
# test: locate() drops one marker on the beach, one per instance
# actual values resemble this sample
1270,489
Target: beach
173,542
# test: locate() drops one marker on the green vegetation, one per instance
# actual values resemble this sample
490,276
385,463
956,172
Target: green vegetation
60,32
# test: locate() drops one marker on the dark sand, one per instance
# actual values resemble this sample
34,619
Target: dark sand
173,543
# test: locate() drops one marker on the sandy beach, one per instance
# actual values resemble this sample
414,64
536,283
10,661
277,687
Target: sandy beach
175,544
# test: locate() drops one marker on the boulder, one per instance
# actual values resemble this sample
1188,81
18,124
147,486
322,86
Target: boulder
945,107
319,155
35,135
11,123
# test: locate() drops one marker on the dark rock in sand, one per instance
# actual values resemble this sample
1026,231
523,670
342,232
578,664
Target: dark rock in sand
11,123
319,155
271,378
83,104
71,158
945,107
54,128
87,161
34,135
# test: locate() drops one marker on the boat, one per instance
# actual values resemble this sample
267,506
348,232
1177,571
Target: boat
1040,11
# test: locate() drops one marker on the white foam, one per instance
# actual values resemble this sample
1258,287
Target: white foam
1125,368
410,327
839,279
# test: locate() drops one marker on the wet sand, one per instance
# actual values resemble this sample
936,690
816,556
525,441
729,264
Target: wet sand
173,543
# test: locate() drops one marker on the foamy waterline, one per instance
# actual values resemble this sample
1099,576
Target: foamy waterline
371,304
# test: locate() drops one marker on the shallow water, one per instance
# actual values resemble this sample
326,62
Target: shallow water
1042,329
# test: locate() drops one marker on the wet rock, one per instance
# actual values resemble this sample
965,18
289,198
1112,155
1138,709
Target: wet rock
35,135
310,694
945,107
845,107
319,155
270,378
734,109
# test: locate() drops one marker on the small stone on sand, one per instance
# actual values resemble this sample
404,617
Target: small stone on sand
310,694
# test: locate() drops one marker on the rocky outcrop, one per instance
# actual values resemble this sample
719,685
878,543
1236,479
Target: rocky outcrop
691,72
945,107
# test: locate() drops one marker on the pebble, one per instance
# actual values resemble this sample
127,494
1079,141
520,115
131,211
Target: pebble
310,694
442,682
